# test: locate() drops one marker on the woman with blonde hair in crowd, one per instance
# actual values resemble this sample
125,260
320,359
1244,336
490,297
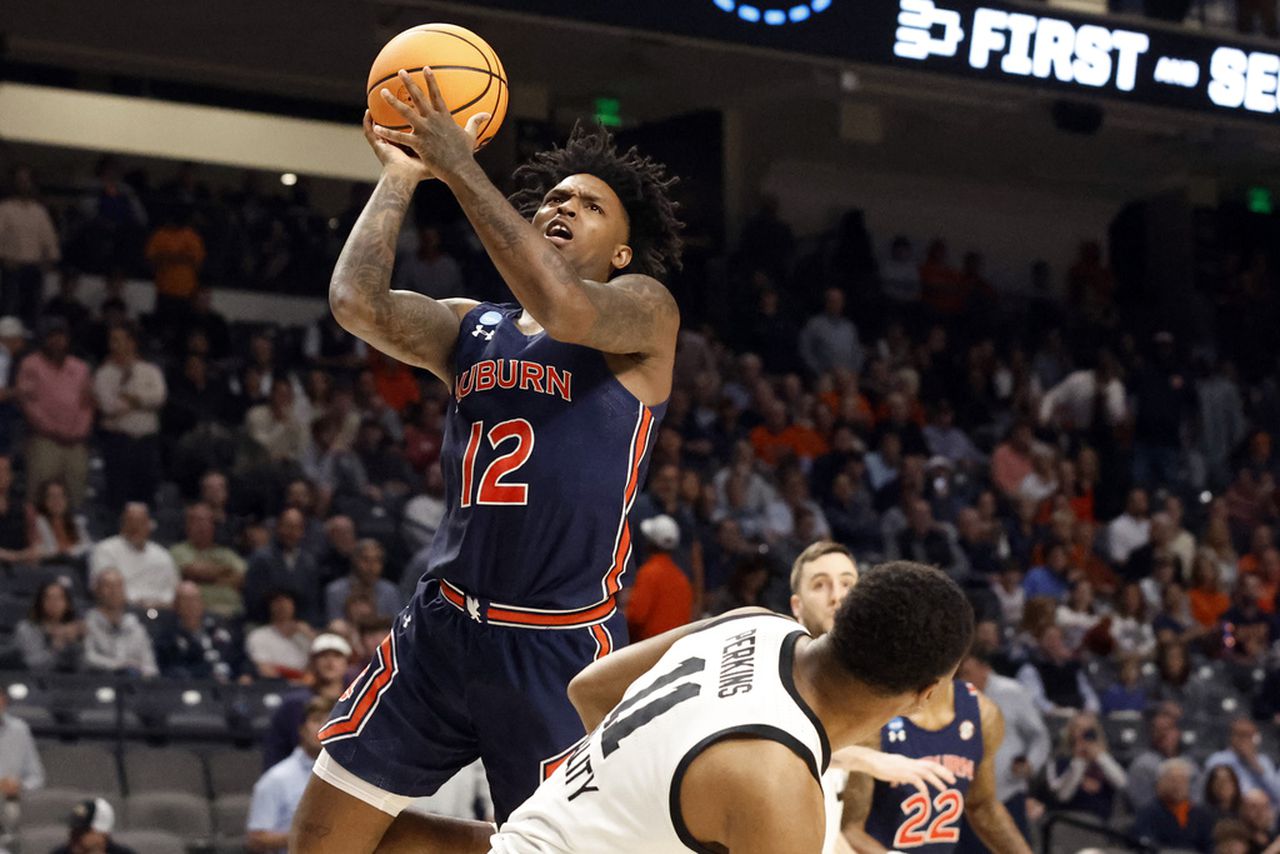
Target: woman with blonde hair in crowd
1206,598
1084,776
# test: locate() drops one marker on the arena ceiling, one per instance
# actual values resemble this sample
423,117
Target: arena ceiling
317,52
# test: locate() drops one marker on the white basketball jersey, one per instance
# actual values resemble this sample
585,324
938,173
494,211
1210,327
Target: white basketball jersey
619,789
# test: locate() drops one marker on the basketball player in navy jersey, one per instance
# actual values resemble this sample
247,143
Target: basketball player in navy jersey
555,404
961,729
949,744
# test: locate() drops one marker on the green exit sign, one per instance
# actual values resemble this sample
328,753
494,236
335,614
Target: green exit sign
609,112
1259,200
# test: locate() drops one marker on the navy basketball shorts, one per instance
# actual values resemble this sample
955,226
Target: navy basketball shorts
455,681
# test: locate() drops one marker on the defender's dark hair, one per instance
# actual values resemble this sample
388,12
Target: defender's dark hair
641,183
902,627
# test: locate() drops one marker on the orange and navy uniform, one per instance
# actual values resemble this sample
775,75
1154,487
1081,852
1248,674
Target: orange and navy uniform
544,454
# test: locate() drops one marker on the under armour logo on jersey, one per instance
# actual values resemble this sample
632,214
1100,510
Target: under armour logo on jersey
404,621
896,731
489,318
966,730
473,608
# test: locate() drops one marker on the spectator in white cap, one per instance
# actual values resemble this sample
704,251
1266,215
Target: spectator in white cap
327,673
91,824
661,597
13,343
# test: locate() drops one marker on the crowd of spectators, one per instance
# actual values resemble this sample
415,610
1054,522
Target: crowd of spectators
255,503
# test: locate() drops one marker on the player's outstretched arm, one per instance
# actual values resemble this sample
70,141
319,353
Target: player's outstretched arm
894,769
630,315
600,685
409,326
983,809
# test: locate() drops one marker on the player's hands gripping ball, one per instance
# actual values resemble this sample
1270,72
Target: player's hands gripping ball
436,139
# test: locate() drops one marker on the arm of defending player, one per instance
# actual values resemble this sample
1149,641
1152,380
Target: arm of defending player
894,769
630,315
409,326
600,685
857,806
986,814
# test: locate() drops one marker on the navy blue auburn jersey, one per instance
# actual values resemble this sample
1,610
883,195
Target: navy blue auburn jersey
544,453
902,819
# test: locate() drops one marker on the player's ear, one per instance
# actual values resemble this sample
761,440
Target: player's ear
795,606
621,257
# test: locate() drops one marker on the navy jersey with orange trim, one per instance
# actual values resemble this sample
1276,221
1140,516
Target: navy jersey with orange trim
901,818
544,453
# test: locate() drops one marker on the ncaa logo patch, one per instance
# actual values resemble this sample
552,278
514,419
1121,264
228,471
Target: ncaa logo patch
966,730
896,731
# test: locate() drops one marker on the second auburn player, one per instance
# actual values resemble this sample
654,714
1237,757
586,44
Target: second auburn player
907,789
555,403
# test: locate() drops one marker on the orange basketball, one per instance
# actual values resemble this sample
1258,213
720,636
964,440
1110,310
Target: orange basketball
471,77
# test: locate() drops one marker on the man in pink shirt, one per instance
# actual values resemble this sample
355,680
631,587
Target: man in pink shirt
1011,461
57,400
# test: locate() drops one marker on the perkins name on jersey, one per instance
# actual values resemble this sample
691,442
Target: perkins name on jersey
737,664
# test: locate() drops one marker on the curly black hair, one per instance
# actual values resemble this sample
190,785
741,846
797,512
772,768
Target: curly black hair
902,627
641,183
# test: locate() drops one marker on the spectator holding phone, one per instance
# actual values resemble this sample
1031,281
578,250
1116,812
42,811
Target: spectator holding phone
1085,776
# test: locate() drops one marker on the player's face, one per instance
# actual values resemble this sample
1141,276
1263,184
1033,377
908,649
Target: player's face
584,219
823,585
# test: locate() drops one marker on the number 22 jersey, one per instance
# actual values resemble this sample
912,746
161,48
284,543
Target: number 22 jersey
619,788
902,819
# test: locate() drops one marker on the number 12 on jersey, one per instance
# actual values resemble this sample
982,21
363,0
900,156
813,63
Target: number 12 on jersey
492,488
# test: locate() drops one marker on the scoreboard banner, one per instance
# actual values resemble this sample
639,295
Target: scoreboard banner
1122,59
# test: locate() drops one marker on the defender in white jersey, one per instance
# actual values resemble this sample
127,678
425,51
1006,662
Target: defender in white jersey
713,737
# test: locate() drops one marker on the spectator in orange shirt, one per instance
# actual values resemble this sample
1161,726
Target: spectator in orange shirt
395,383
176,253
662,597
1207,598
776,438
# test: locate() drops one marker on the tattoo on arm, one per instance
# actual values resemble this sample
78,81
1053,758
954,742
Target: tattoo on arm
499,221
363,270
628,312
409,326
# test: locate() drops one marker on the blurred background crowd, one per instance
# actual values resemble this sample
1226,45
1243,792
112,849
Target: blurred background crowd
244,508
